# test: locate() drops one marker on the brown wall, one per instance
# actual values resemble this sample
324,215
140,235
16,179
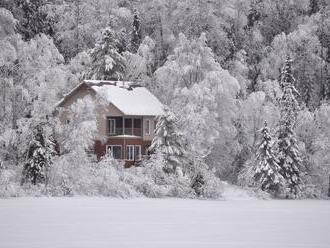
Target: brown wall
152,128
100,147
102,112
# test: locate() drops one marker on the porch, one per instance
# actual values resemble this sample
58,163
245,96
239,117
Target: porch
117,126
129,150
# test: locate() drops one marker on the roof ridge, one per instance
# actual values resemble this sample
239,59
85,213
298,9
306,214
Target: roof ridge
123,84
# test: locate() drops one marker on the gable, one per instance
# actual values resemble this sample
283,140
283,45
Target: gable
79,92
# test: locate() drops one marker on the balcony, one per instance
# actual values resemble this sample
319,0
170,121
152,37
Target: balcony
124,126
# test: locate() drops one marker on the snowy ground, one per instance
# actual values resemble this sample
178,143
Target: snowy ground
170,223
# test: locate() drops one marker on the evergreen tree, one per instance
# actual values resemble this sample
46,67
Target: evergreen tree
168,141
136,36
197,184
267,168
106,61
39,157
288,153
33,19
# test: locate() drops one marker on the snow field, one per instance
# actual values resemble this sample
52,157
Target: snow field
116,223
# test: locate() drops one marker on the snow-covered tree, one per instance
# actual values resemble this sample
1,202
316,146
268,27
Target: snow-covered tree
288,153
188,65
288,103
106,61
304,45
208,106
39,156
136,36
313,130
78,134
253,111
140,65
267,169
34,19
168,141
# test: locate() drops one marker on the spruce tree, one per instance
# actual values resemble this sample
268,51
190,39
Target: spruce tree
267,168
288,152
168,141
136,36
107,62
39,157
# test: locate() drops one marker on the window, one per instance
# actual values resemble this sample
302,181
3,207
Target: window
137,153
112,126
128,123
147,127
155,124
137,123
130,153
115,151
128,126
133,152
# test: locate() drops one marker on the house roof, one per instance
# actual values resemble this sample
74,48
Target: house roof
128,97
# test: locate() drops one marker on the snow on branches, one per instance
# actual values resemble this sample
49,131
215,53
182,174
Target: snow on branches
168,141
106,61
288,153
267,168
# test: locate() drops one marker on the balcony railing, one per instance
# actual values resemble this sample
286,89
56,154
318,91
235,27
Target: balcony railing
127,131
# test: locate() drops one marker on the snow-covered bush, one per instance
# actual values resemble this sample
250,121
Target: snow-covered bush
74,174
9,182
204,182
162,183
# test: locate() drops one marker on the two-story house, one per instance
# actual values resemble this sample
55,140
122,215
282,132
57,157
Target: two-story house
127,120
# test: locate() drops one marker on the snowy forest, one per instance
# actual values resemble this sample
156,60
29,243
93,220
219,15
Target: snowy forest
245,86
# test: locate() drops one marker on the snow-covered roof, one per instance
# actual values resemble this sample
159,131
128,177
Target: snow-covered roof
128,97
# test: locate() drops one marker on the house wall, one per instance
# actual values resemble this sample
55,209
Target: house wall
82,91
152,128
100,146
102,112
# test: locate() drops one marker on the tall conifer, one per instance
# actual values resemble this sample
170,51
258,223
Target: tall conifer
288,152
267,168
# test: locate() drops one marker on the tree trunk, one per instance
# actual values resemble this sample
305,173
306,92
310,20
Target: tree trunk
77,35
329,187
14,111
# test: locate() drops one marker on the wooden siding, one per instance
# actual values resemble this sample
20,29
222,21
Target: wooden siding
100,147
